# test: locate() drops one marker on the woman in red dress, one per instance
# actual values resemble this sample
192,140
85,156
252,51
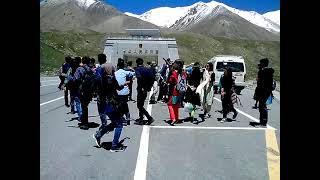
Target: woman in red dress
175,98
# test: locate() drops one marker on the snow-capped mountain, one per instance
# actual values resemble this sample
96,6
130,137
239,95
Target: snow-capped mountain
273,16
167,17
81,3
86,15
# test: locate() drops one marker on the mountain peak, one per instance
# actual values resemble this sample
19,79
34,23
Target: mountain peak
82,3
167,16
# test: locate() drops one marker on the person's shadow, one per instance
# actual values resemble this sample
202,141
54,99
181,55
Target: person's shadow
90,125
107,145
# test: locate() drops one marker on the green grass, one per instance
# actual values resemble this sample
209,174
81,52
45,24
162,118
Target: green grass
196,47
192,47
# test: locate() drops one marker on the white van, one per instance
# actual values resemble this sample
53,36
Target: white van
237,65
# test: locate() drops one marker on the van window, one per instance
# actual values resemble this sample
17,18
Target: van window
235,66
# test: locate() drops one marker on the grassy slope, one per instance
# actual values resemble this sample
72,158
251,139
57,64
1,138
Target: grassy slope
195,47
192,47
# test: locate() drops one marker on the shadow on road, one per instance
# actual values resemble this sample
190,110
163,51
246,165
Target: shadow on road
107,145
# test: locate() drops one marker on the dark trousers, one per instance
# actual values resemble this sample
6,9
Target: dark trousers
142,95
130,89
263,108
84,107
162,90
227,105
62,78
66,99
124,102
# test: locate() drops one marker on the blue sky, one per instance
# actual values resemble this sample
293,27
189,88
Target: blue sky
141,6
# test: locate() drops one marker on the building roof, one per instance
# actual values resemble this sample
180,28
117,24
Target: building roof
144,32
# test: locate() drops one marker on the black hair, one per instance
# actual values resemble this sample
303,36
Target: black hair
92,61
139,61
149,63
265,62
210,66
102,58
68,59
77,60
85,60
121,64
129,63
180,65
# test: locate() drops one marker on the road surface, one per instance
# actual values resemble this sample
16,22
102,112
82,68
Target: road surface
209,150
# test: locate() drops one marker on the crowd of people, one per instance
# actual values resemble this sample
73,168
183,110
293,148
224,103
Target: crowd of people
177,85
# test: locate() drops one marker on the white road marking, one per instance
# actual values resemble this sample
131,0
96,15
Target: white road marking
199,127
247,115
50,80
48,85
141,166
51,101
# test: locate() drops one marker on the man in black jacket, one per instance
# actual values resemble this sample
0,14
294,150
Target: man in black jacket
145,81
264,89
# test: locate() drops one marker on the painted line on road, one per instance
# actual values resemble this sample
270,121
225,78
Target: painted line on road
142,160
48,85
51,101
197,127
248,116
49,80
273,155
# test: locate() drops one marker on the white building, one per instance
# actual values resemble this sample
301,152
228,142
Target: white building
144,43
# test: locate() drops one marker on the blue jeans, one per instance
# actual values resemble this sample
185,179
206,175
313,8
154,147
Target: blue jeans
101,107
78,106
118,124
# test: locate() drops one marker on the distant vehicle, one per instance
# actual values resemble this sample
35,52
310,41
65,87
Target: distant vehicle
238,68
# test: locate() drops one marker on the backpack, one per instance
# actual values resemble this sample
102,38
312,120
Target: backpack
88,84
181,86
274,85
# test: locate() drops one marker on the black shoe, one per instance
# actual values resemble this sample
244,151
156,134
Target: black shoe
235,115
138,120
142,122
255,107
84,126
150,121
117,149
97,140
67,105
173,123
152,102
261,126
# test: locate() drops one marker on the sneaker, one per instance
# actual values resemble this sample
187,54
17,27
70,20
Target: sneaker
235,115
150,121
96,140
117,149
223,120
141,122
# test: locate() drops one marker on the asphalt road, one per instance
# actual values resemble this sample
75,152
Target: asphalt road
209,150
